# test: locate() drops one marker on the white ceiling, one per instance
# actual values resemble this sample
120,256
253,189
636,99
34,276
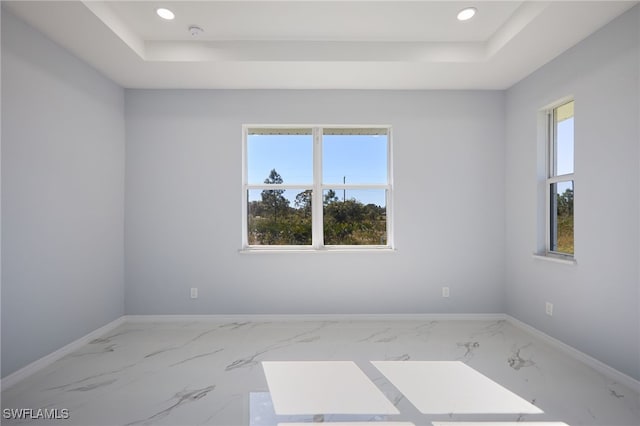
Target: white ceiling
300,44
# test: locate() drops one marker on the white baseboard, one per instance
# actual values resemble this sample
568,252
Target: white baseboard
47,360
43,362
314,317
599,366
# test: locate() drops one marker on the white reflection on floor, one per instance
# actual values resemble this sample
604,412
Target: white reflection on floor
499,424
323,387
443,387
314,391
261,413
354,424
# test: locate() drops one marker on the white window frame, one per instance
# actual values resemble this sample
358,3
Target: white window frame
317,188
553,178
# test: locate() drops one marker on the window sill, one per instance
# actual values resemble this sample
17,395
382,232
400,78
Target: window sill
550,257
270,250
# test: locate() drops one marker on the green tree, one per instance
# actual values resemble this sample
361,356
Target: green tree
273,221
565,203
330,197
352,222
303,202
565,221
273,199
346,211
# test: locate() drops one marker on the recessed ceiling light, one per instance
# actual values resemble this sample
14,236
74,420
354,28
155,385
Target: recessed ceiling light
466,14
165,13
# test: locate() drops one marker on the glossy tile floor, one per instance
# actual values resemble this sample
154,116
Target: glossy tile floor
212,373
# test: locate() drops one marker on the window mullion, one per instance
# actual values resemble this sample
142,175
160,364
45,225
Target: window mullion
271,187
245,197
562,178
317,239
355,186
552,144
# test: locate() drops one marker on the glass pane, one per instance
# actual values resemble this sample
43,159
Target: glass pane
355,217
279,217
564,139
354,156
562,217
288,152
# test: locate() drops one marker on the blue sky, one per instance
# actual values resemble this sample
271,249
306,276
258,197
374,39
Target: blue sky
564,153
564,146
355,158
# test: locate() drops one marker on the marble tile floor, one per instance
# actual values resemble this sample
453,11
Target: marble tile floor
210,373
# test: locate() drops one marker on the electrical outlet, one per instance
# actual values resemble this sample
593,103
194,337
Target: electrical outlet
194,292
445,291
549,309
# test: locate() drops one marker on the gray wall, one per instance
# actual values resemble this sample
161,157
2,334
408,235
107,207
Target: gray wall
596,301
183,205
457,165
62,197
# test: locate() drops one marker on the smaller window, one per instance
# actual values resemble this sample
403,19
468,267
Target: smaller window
560,180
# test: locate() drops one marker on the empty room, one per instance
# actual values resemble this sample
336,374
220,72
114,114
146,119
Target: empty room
358,213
